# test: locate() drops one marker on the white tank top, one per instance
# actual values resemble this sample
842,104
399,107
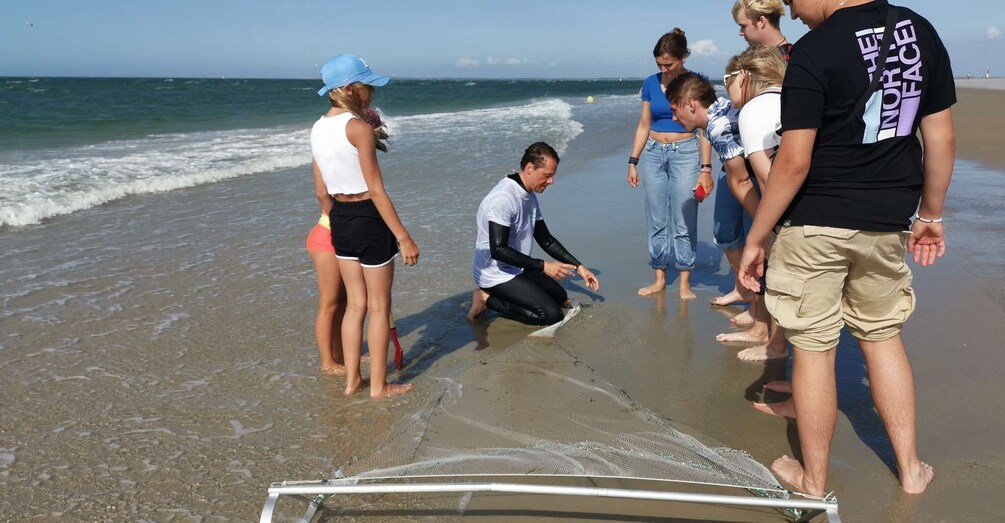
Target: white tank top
337,159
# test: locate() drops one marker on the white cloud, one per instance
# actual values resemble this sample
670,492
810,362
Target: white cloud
994,33
704,47
507,61
467,62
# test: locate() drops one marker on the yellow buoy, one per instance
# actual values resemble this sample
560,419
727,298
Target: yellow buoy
589,99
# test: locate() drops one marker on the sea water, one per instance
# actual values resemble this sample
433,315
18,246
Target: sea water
156,301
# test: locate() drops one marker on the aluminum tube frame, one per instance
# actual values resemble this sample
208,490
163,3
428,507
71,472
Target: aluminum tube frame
830,508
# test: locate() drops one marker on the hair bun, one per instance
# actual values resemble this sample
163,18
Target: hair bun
678,31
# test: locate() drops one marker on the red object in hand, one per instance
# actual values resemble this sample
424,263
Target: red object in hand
699,193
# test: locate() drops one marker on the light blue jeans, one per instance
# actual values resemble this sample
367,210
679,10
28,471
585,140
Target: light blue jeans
669,171
730,223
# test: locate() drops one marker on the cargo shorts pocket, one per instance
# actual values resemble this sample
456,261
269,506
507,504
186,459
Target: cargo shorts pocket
784,299
830,232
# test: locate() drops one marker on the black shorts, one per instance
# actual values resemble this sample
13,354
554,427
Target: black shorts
360,234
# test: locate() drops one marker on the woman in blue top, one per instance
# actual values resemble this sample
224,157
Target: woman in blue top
666,157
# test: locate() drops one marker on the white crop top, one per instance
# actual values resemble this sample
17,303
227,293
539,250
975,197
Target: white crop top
337,159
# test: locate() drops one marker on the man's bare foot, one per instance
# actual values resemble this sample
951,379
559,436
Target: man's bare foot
779,386
652,289
729,299
916,480
791,472
479,302
687,294
391,389
782,409
748,336
761,353
744,319
336,370
353,388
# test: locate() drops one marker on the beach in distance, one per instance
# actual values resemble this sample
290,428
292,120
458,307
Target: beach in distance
157,308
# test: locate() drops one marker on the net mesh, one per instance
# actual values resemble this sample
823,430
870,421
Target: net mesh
537,410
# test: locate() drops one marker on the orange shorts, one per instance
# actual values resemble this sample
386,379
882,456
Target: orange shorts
320,239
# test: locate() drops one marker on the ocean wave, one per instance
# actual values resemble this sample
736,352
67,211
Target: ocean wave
42,184
73,179
549,120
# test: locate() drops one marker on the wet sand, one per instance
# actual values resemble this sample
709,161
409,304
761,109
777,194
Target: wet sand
978,114
172,376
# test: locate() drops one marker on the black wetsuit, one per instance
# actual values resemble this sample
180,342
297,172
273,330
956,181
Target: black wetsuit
532,297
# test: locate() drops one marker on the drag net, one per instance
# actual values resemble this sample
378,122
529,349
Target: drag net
536,410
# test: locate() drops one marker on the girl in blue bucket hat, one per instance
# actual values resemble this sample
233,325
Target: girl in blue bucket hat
366,231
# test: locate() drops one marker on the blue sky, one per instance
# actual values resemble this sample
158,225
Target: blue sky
417,38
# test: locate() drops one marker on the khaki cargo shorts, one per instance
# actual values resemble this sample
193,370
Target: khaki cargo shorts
821,279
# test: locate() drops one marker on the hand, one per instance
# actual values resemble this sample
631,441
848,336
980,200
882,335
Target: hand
705,180
927,242
591,281
633,176
559,271
409,251
752,266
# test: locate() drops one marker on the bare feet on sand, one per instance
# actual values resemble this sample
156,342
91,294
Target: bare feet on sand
729,299
336,370
791,472
779,386
744,319
763,352
479,300
748,336
652,289
687,294
916,479
391,389
782,409
353,386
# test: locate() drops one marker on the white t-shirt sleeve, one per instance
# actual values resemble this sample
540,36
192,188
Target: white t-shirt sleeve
500,208
759,122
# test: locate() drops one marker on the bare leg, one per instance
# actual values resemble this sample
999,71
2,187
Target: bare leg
352,323
479,298
814,393
739,294
657,286
331,309
892,383
774,348
378,306
685,286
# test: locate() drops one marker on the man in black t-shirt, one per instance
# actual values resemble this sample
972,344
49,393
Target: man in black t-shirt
844,186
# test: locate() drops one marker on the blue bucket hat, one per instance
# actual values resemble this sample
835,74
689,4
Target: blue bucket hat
346,69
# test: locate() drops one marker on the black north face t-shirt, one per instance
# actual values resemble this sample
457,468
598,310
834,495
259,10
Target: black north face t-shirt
866,170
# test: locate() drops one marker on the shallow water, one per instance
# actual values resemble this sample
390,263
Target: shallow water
159,361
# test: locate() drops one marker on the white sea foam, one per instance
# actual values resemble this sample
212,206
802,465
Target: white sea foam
43,184
551,118
62,181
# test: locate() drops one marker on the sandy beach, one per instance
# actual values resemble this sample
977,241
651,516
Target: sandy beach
978,110
173,375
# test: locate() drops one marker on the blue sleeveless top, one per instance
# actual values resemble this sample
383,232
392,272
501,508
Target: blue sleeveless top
659,107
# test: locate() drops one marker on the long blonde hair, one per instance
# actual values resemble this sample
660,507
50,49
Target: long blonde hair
772,10
341,98
765,67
